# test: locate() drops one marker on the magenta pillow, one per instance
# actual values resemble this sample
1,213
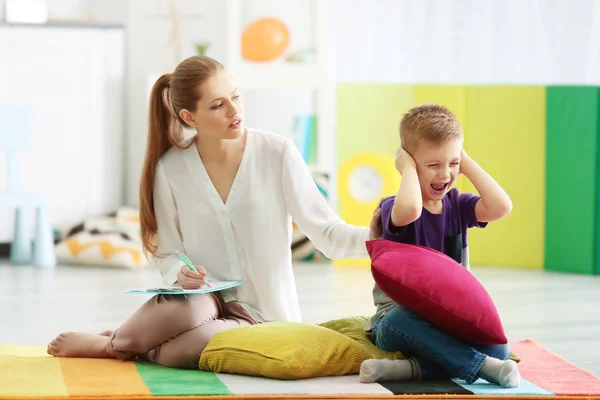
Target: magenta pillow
437,288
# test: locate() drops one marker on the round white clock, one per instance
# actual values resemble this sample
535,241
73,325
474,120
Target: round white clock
365,183
363,180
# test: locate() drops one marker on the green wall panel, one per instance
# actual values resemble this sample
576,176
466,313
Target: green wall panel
571,239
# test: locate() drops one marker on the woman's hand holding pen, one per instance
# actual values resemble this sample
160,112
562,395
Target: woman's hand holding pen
189,279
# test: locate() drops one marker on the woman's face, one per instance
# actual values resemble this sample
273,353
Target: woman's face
219,112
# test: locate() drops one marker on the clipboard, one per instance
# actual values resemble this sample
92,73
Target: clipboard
215,287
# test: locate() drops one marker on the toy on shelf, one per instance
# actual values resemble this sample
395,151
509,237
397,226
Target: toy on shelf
265,39
202,47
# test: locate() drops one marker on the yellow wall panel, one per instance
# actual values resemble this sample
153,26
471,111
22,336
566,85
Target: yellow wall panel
506,135
368,117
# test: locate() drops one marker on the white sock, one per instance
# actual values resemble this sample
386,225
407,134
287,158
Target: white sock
386,370
503,373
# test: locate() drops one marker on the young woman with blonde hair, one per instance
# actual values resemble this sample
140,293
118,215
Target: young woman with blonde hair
226,197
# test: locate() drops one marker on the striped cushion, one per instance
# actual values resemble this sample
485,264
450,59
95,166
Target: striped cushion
111,240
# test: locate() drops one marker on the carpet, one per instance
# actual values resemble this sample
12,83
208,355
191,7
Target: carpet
28,373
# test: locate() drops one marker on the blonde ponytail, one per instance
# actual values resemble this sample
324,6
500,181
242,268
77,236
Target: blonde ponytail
170,94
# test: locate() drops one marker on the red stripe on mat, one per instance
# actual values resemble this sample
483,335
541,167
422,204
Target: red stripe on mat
552,372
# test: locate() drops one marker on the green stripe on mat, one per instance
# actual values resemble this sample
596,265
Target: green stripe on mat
163,381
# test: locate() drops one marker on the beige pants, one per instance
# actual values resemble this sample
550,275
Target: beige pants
172,330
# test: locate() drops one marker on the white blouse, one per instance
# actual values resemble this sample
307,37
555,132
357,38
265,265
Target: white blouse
248,237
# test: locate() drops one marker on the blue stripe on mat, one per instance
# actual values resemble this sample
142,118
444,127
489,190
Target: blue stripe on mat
481,387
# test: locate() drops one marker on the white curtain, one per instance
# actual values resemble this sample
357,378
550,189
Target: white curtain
468,41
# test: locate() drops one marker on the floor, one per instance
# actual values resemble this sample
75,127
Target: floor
560,311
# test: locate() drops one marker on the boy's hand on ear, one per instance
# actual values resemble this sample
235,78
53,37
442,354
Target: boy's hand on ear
494,203
404,160
465,163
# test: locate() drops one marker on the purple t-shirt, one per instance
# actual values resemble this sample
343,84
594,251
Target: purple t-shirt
445,232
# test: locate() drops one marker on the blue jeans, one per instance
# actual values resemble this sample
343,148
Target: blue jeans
439,354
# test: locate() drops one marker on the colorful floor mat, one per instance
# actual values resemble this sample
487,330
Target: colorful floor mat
28,373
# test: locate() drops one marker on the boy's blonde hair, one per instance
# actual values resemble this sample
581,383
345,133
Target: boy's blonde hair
430,123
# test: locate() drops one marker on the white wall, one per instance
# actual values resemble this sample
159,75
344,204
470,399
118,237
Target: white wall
146,48
469,41
73,84
107,11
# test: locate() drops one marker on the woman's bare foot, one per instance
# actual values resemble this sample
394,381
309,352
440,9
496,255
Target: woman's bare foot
78,344
106,333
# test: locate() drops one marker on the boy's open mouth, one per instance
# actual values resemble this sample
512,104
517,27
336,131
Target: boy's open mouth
439,187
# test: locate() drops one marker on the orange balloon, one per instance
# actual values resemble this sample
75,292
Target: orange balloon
265,39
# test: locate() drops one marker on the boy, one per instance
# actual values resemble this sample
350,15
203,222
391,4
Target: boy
427,212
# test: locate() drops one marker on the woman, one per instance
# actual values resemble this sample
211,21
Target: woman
226,197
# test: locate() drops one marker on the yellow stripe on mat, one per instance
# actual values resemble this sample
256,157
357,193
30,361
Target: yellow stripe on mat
102,377
20,376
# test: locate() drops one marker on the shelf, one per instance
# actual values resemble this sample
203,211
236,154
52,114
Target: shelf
319,169
280,75
317,75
